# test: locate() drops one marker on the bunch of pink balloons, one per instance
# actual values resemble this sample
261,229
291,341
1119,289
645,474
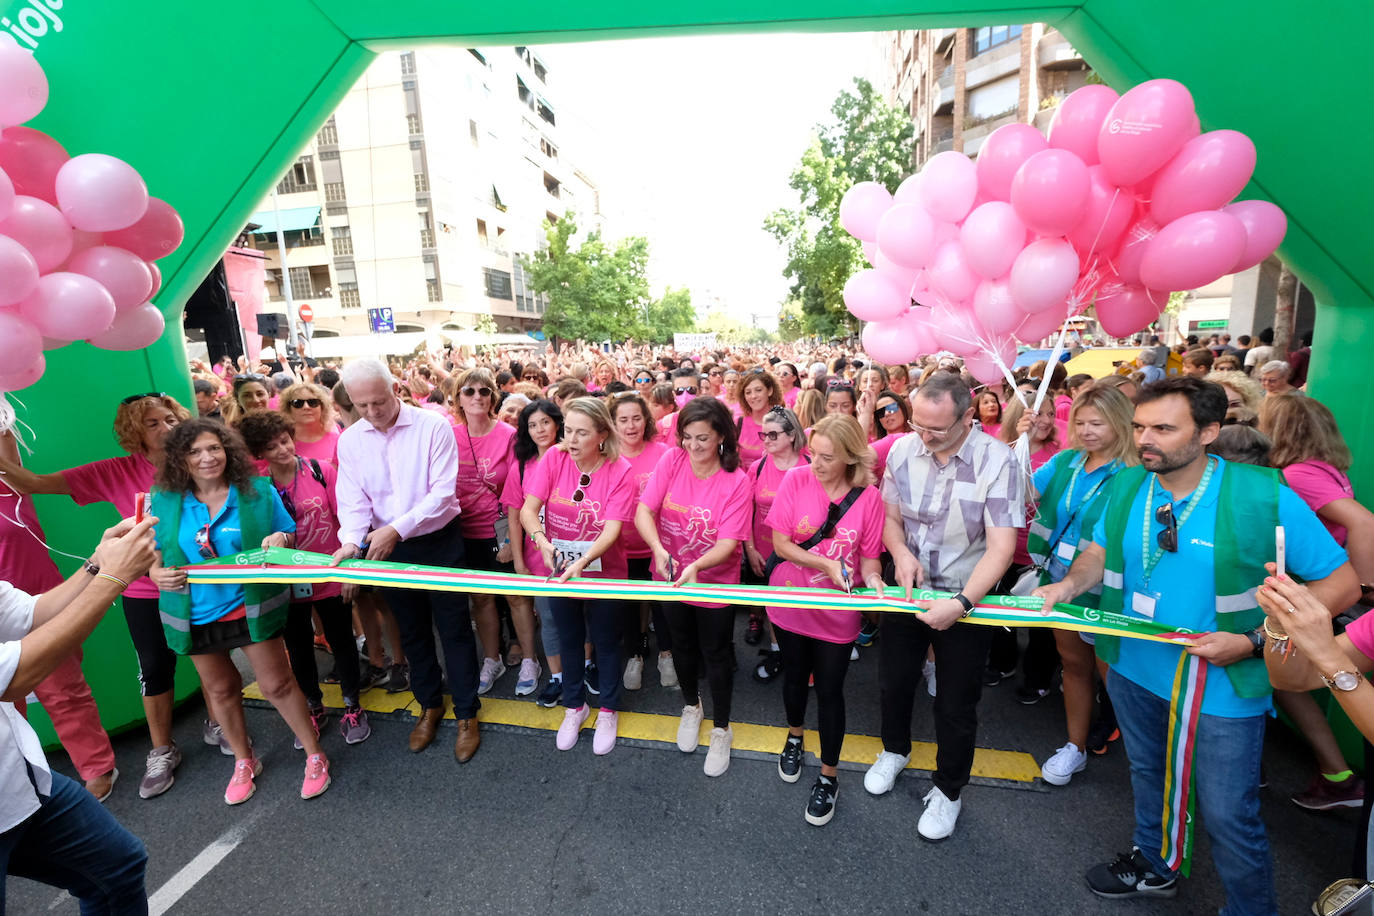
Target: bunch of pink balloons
1125,201
78,235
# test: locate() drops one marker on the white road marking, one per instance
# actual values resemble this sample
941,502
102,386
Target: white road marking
205,861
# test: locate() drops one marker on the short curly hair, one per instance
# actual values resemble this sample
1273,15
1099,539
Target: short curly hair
261,429
174,477
128,421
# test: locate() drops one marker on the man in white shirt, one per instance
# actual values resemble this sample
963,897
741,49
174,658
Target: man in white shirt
51,829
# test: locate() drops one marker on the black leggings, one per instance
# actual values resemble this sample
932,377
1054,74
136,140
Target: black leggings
707,631
157,664
337,618
635,636
803,656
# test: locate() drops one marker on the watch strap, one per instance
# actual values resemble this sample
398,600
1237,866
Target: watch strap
963,600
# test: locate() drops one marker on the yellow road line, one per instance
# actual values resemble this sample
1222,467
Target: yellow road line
1015,766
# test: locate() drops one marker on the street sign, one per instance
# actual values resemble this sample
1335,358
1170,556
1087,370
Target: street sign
307,313
381,320
1211,324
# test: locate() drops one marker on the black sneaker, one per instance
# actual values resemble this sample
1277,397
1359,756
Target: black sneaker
332,677
790,760
868,634
1029,696
992,677
551,694
753,634
399,679
592,679
371,676
1102,734
1129,876
769,666
821,806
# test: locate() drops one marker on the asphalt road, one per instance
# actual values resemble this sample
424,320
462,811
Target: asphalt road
524,828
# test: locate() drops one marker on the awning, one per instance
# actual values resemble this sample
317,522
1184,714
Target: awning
292,219
1030,357
1098,362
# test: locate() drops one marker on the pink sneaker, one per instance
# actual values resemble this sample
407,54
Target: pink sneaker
603,740
316,776
572,724
241,786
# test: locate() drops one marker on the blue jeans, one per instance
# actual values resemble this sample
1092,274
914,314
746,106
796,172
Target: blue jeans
72,842
578,620
1226,762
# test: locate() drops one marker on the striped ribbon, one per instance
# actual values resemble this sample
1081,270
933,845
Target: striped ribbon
1190,681
286,566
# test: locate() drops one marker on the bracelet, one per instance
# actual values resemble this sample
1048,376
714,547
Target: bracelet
122,584
1280,636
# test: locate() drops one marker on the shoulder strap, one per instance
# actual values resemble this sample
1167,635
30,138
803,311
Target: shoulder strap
739,427
317,472
832,517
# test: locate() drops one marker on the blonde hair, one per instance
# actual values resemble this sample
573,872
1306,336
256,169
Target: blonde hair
308,389
1119,413
595,409
1302,429
474,377
845,433
1249,390
810,407
128,421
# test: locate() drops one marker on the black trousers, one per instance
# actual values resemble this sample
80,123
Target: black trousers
707,631
803,656
636,639
1041,657
337,618
961,652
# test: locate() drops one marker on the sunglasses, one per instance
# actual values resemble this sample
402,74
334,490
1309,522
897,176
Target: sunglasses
298,403
887,411
582,482
684,391
138,397
483,392
530,377
715,373
643,381
771,434
207,549
839,386
1168,538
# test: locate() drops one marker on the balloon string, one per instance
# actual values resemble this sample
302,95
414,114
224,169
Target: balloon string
9,421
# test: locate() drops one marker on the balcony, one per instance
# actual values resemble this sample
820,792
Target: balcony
993,64
976,130
1055,52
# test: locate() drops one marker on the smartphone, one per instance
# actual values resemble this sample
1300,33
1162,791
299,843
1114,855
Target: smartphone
1278,551
140,506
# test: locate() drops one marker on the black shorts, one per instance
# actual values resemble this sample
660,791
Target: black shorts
219,636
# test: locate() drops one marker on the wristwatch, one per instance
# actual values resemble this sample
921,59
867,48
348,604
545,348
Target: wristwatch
1342,680
963,599
1256,637
92,568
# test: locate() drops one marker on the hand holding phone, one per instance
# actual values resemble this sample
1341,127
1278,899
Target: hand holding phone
1279,551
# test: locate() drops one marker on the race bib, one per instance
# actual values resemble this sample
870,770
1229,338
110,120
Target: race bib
566,553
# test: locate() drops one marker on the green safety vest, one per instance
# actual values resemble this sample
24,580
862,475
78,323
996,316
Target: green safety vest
1046,520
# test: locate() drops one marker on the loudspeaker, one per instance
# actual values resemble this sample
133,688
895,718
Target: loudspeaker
273,325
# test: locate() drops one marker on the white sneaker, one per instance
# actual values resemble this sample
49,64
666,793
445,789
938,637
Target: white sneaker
667,674
718,754
928,670
938,820
634,673
880,777
492,669
689,728
1059,769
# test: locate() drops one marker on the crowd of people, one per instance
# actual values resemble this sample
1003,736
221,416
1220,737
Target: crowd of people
1154,492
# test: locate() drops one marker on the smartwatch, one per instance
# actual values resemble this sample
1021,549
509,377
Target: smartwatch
967,604
1256,637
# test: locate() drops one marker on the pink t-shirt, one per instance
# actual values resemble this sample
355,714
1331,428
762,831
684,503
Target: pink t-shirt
316,511
641,466
1062,405
789,397
693,514
572,524
735,410
1022,553
24,561
881,447
993,429
513,498
1320,484
1361,633
750,442
667,430
764,477
115,480
482,466
799,512
324,449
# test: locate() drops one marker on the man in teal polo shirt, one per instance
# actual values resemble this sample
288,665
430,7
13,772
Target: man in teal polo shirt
1183,542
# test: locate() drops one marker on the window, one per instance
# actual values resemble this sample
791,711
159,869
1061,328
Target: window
547,148
408,63
300,283
989,37
498,283
426,230
413,126
482,232
334,192
328,135
546,111
421,183
349,297
336,207
343,240
551,185
301,177
523,92
432,289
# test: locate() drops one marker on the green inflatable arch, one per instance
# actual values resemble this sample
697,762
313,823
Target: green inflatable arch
212,102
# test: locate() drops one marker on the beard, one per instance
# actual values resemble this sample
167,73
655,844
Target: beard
1161,462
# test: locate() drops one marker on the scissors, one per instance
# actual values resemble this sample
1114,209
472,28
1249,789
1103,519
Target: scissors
844,574
560,567
672,570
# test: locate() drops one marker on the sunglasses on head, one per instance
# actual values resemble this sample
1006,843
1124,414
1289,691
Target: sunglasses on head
583,481
1168,538
298,403
483,392
138,397
839,386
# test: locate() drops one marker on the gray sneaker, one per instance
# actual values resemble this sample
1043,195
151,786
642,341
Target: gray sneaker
353,725
399,679
159,772
213,735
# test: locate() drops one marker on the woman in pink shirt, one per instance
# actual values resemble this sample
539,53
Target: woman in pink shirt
891,421
663,405
634,427
310,411
252,392
988,409
694,515
729,393
760,392
812,502
585,492
790,384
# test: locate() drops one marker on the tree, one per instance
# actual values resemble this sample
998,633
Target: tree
867,140
673,314
1285,300
732,331
790,324
595,291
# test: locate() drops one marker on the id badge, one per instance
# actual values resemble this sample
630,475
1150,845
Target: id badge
1143,604
1066,552
302,590
566,553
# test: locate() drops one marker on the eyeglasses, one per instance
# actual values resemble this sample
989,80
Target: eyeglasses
927,431
207,549
483,392
684,391
582,482
298,403
1168,538
138,397
887,411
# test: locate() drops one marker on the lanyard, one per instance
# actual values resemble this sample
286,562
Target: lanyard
1153,557
1069,507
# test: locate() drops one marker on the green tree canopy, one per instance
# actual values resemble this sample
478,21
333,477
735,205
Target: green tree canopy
595,291
866,140
672,314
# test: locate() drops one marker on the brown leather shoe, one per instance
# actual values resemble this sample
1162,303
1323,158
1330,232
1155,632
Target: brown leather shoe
423,732
469,740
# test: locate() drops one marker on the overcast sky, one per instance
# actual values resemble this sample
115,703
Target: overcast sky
692,140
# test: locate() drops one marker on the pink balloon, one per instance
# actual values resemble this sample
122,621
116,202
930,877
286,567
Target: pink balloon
31,159
920,283
1044,275
1039,325
896,340
873,296
18,272
133,330
1050,192
870,250
861,208
99,193
1206,174
1265,226
1129,309
906,235
124,274
1144,129
1138,235
1193,250
20,341
68,306
994,307
948,186
1109,213
7,194
52,343
904,277
1078,120
956,330
983,365
23,86
41,229
950,274
156,235
908,191
992,237
157,278
23,378
1002,153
